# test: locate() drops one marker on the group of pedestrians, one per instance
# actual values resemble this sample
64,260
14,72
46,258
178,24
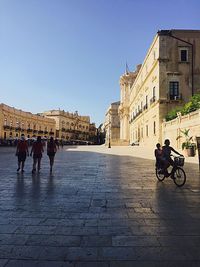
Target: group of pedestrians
36,151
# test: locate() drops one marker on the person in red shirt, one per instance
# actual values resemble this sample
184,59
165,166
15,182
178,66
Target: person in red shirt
37,150
21,153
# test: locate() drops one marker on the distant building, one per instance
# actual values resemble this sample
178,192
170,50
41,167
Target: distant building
69,126
14,122
126,82
93,133
112,124
168,77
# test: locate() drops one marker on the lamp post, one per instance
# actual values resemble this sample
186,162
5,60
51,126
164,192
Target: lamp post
169,33
109,132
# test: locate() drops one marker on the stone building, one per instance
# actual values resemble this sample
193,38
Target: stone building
126,82
112,125
14,122
168,77
93,133
69,126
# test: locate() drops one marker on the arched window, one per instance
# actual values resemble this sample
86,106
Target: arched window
154,128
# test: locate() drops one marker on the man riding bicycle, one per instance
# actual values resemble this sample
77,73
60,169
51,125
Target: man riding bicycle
166,153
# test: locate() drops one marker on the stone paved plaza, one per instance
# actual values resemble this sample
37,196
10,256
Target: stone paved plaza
97,210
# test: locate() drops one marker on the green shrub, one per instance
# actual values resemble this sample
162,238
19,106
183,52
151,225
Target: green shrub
172,114
191,106
188,107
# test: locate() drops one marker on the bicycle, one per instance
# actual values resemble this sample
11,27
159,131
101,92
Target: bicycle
177,173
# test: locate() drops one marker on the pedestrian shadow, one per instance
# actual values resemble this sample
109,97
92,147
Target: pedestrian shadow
35,188
50,185
19,188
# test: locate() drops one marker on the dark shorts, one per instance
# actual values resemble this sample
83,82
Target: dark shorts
37,156
51,154
21,156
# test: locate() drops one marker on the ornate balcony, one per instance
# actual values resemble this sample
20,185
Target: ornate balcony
6,127
18,129
145,107
152,100
175,97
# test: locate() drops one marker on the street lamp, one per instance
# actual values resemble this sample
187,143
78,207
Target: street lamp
109,132
169,33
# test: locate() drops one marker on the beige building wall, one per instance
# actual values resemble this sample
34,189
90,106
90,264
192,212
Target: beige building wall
92,132
144,96
14,122
70,126
172,129
126,81
154,92
112,124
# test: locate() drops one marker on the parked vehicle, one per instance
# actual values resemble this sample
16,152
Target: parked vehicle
136,143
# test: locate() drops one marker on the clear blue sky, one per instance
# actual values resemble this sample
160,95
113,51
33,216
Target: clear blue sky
69,54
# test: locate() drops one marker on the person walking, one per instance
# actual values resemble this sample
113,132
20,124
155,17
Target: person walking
51,151
37,150
21,153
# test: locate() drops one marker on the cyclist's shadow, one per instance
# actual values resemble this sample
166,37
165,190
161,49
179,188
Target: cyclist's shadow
174,208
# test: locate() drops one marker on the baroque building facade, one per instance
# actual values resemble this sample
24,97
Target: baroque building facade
168,77
93,133
14,122
112,125
69,126
126,82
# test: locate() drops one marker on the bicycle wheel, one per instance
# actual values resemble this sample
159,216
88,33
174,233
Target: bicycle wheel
160,176
179,177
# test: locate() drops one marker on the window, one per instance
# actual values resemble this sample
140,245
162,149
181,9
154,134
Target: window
173,90
183,55
146,105
147,133
154,92
154,55
154,128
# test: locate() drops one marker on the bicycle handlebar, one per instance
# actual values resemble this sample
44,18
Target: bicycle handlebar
180,156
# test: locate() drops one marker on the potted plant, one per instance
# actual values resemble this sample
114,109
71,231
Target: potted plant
188,144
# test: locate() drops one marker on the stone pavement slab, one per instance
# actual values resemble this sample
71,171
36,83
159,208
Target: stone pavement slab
96,209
